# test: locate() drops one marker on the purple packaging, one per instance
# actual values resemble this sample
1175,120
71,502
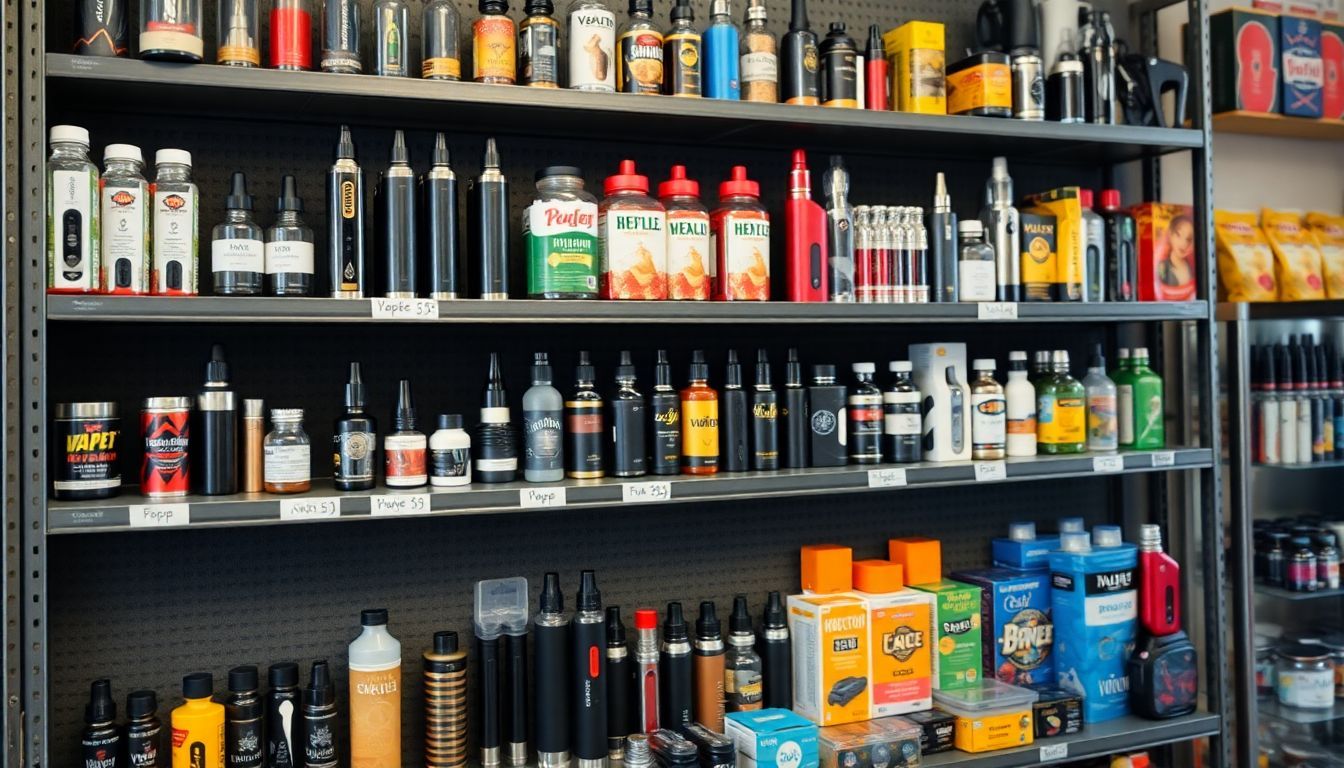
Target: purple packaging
1303,70
1017,632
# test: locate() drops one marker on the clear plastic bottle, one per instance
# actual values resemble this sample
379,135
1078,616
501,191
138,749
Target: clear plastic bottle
125,221
1020,397
590,29
689,259
741,226
440,44
640,52
289,246
375,693
237,251
449,453
760,59
176,217
288,453
634,243
543,431
975,264
74,257
1103,428
988,413
391,38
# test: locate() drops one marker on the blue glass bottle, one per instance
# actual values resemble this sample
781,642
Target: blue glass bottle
722,66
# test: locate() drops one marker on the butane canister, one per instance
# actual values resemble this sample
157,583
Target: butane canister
84,451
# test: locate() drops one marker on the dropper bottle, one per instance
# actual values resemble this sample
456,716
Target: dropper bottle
397,206
237,250
354,440
700,410
664,420
405,448
583,417
543,433
289,245
764,418
101,739
496,444
796,429
742,674
627,422
319,718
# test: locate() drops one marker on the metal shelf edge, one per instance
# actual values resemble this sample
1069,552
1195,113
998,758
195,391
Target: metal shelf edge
1117,735
1264,590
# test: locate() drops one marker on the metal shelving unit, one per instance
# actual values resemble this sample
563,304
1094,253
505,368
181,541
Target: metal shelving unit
1093,741
1265,590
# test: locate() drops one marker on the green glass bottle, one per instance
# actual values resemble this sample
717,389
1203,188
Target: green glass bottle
1149,414
1061,409
1123,376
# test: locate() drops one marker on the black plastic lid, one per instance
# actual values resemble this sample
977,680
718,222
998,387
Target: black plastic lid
243,679
683,10
198,685
674,625
541,369
558,170
373,617
774,611
583,372
552,597
101,708
625,371
141,704
440,149
493,6
494,395
345,146
823,371
320,692
238,199
399,155
837,29
762,368
733,378
875,47
793,370
535,7
707,625
217,370
289,199
662,370
590,599
450,421
1098,357
699,368
641,6
740,620
354,389
283,674
615,627
405,416
445,642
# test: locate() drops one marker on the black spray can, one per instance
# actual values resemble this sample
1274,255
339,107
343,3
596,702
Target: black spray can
345,206
243,744
733,419
319,719
101,741
100,28
282,716
664,421
840,68
764,419
397,206
627,423
489,200
439,191
144,732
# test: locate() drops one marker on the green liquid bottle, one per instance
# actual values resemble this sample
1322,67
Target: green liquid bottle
1061,409
1148,411
1123,376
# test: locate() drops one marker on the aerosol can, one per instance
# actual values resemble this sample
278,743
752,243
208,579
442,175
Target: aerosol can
1003,231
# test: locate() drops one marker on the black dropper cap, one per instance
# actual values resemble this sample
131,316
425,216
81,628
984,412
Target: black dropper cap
875,47
740,621
774,611
399,154
289,199
243,679
733,378
141,704
552,599
354,389
101,708
238,199
707,626
798,21
541,368
450,421
320,692
535,7
345,146
583,372
615,628
823,372
626,370
762,369
641,6
838,33
683,10
699,368
590,599
1098,359
283,674
217,370
793,370
440,149
198,685
493,6
674,626
494,395
662,370
405,407
373,617
445,642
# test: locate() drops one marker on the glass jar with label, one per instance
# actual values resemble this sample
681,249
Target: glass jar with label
560,231
287,465
741,238
633,231
237,251
690,262
1305,676
975,265
591,33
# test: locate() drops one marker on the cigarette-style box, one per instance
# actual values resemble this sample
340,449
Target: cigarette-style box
917,60
772,738
831,658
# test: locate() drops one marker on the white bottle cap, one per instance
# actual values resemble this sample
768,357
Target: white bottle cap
1122,353
1107,536
1022,531
900,366
970,227
983,364
123,152
1072,525
1017,356
1075,542
864,367
180,156
1140,351
70,133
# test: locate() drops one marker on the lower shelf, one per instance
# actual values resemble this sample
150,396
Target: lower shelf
1272,708
1123,734
1278,593
133,512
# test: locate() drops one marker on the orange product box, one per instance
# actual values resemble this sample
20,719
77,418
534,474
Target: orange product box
1332,56
878,576
901,627
831,658
921,558
1168,267
827,569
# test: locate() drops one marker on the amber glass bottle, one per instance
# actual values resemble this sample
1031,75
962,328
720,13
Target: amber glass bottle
700,421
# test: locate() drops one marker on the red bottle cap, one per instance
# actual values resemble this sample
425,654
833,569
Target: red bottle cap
678,184
739,184
626,180
799,160
1085,198
1110,199
646,618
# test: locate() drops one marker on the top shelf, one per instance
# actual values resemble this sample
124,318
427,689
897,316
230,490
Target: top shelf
130,85
1261,124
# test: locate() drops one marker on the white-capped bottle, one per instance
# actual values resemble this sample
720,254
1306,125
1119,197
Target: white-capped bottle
975,264
449,453
74,254
988,413
125,221
1020,395
176,216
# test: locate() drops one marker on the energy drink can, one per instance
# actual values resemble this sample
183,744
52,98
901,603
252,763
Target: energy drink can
165,426
84,451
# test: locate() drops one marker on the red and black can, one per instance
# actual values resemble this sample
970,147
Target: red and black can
84,451
165,425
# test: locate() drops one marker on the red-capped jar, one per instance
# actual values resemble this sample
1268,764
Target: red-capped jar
633,230
741,229
690,262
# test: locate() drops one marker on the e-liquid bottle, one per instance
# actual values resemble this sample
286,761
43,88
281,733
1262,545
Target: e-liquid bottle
439,195
289,245
1103,429
800,76
292,35
826,411
354,439
640,47
1061,409
319,718
375,693
775,648
700,411
742,674
722,62
445,690
243,711
216,430
707,650
198,724
543,433
1149,413
391,34
866,417
583,425
664,421
795,413
340,37
760,62
449,453
494,39
144,731
988,413
764,418
903,422
404,449
733,428
282,716
496,444
682,53
627,422
840,68
975,264
688,243
539,46
100,743
440,52
75,254
591,28
345,212
396,203
1003,224
176,217
237,251
1020,399
238,41
125,221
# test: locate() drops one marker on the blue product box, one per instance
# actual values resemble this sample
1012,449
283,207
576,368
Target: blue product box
1095,600
773,738
1023,549
1302,70
1016,629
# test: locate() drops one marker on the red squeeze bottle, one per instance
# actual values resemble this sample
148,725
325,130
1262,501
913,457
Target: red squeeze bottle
875,86
804,236
1159,585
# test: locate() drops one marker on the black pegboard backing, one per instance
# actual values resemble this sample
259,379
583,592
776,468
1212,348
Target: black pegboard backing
147,608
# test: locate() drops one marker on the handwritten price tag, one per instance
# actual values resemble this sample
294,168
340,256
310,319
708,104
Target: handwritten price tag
1108,463
1164,459
1055,751
997,310
990,470
657,490
399,504
310,509
531,498
886,478
159,515
405,309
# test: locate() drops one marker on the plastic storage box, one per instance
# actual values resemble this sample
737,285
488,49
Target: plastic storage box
992,715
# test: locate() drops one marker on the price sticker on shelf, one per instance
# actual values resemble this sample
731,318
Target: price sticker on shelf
310,509
996,310
1164,459
886,478
535,498
159,515
1108,463
1054,751
405,309
634,493
990,470
399,504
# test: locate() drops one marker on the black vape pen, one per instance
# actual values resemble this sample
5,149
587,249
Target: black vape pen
796,431
489,680
733,424
764,418
397,204
440,197
282,716
217,418
243,710
588,692
319,718
345,209
619,676
496,444
774,648
675,676
551,649
942,245
627,423
665,421
490,205
515,710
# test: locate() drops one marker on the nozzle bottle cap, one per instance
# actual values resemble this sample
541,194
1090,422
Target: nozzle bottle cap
590,599
762,368
217,370
445,642
699,368
1075,542
674,625
774,611
739,185
1072,525
289,199
625,371
354,389
1022,531
1104,536
320,693
101,708
678,184
584,372
646,618
707,625
626,180
740,620
541,368
238,199
405,416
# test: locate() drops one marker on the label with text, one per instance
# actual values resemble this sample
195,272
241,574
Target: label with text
996,310
990,470
533,498
1108,463
159,515
399,504
1054,751
1164,459
310,509
405,309
657,490
886,478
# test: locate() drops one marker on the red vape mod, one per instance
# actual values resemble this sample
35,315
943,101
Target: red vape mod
1159,585
804,236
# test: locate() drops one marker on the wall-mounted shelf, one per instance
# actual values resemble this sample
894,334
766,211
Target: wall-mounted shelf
1301,467
1264,590
1119,735
1280,126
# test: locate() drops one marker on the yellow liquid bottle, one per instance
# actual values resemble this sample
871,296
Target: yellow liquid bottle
198,725
375,694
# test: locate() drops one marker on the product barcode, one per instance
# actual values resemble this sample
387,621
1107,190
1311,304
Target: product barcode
158,515
997,310
1108,463
399,504
658,490
886,478
530,498
1055,751
405,309
310,509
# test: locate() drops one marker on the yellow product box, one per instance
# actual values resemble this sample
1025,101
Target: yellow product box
831,657
1329,233
990,716
901,627
1039,256
1245,260
1070,240
1295,255
918,64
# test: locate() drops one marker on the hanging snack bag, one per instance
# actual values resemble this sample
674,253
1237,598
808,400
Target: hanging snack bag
1245,260
1329,233
1295,254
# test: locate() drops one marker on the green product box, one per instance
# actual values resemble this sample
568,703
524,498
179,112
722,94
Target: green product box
957,664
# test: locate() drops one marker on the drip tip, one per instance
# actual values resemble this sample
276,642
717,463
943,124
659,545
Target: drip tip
799,160
405,406
590,599
552,598
798,21
707,626
662,370
345,146
289,199
740,620
733,378
674,625
541,368
774,611
762,368
101,708
625,371
238,199
399,154
699,368
217,370
942,201
615,629
354,389
793,370
320,693
440,149
491,155
583,372
683,10
875,47
445,642
494,395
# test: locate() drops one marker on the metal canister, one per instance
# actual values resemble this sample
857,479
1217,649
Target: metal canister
165,425
84,451
1028,87
1064,102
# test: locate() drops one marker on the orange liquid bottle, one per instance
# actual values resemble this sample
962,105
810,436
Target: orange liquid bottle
700,419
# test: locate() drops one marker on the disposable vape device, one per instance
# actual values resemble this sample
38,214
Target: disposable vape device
796,431
775,649
551,631
584,432
354,440
675,676
345,235
496,445
800,78
805,232
440,217
627,423
665,421
943,281
319,718
618,685
876,94
826,418
397,205
1003,231
282,716
672,750
708,662
445,686
764,418
715,749
490,205
647,684
733,418
217,414
516,687
1159,584
244,746
839,233
588,694
500,604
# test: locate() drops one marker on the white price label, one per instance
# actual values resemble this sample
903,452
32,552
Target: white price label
157,515
405,309
1108,463
886,478
310,509
399,504
990,470
657,490
1055,751
1164,459
997,310
531,498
